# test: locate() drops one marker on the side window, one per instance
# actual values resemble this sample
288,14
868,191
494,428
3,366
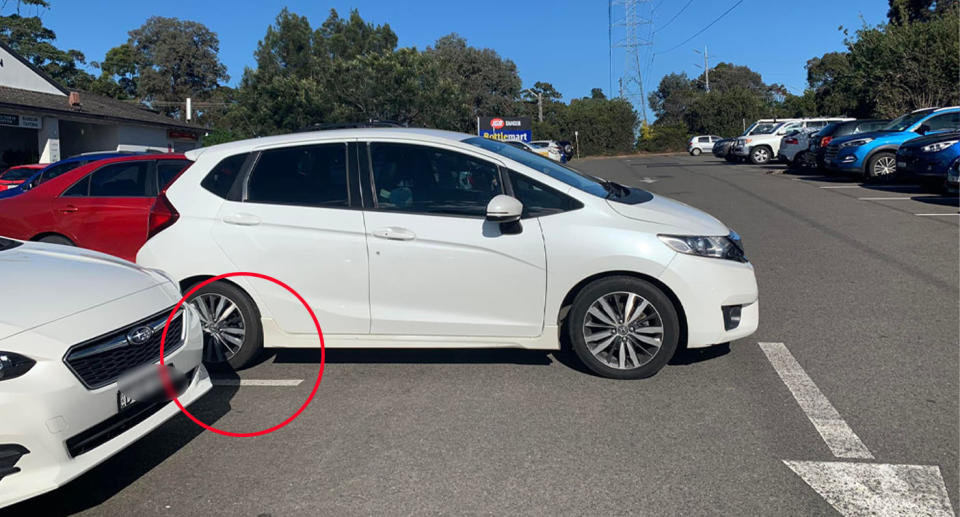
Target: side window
168,169
125,179
704,139
314,175
79,189
57,170
538,199
945,121
221,178
413,178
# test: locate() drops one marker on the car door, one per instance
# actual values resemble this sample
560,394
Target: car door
437,266
107,210
294,220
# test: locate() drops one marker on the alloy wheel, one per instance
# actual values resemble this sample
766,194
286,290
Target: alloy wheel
223,327
623,330
885,166
760,155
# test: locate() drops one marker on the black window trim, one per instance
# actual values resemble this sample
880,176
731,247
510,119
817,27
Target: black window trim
508,185
152,183
373,188
241,184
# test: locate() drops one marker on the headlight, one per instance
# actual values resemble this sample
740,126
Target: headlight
937,147
857,143
727,247
14,365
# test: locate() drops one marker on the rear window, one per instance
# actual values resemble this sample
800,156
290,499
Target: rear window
220,180
18,174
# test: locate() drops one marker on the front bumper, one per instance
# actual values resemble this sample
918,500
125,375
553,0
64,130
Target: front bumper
844,161
741,150
923,164
704,286
49,406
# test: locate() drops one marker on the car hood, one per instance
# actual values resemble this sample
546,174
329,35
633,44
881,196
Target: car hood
45,282
676,217
932,139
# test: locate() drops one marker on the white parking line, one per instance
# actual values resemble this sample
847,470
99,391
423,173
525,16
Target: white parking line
936,215
839,437
256,382
884,198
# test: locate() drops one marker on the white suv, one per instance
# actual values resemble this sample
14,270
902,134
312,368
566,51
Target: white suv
763,144
417,238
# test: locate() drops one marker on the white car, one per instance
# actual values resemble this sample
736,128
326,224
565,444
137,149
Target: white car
417,238
702,144
761,143
795,148
79,337
551,147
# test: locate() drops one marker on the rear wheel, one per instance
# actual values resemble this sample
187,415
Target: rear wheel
57,239
232,333
882,167
623,328
695,151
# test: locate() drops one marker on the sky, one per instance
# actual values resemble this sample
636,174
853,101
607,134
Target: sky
563,42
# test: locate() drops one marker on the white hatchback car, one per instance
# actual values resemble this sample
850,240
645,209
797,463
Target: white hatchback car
79,341
423,238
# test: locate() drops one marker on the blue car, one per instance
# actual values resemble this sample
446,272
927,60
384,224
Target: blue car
874,155
55,169
929,156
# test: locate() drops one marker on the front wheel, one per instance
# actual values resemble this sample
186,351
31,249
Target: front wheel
232,333
881,168
760,156
623,328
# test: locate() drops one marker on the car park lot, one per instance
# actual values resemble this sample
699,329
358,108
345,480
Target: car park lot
858,283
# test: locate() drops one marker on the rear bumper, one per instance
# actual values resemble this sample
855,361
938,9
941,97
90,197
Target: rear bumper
704,286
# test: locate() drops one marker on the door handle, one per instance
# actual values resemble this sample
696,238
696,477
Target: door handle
69,209
395,234
241,219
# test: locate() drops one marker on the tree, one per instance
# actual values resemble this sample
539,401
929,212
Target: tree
28,37
902,11
669,102
489,84
606,126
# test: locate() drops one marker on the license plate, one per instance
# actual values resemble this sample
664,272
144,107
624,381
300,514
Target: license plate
902,164
145,385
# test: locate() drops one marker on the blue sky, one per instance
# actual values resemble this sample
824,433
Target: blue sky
564,42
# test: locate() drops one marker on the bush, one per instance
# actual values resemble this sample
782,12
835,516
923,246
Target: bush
664,138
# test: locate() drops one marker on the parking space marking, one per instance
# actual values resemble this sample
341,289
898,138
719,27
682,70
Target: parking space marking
884,198
936,215
839,437
256,382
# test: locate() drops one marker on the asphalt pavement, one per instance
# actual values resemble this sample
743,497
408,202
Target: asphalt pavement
859,320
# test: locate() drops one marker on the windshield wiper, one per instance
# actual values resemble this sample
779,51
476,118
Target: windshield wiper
613,188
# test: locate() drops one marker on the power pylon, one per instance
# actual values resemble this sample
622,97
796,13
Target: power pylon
631,29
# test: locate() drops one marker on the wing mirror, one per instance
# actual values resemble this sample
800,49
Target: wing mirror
504,209
923,129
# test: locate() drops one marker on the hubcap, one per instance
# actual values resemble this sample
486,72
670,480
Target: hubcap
760,155
885,166
623,330
223,327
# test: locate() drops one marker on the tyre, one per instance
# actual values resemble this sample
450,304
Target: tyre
760,155
881,168
57,239
232,333
623,328
731,158
695,151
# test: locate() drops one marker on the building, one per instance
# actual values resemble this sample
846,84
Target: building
43,122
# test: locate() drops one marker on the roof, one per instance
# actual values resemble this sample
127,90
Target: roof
37,70
92,106
242,146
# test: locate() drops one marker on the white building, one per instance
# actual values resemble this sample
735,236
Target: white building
43,122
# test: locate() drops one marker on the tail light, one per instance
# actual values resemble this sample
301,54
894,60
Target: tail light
825,140
791,141
162,215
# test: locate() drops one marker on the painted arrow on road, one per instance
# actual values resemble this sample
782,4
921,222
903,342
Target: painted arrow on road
856,489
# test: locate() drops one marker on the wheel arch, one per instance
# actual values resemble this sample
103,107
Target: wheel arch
187,283
42,235
575,290
888,148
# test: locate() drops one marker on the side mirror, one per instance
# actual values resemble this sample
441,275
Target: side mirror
923,129
504,209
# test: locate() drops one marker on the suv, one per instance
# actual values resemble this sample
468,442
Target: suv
418,238
763,146
874,155
929,156
700,144
818,145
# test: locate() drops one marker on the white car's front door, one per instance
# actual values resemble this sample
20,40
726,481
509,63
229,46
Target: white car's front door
437,267
295,223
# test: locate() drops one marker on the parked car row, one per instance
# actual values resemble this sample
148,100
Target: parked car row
923,143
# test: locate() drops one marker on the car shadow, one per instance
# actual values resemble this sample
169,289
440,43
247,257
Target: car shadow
117,473
412,356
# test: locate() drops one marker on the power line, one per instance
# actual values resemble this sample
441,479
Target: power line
701,31
682,9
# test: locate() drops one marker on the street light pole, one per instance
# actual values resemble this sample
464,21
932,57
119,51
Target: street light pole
539,96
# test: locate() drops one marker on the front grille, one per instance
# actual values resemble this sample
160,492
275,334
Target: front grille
102,360
832,151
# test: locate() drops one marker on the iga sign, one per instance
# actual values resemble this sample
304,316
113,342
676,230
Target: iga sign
505,128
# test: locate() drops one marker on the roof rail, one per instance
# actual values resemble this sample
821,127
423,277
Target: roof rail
327,126
946,108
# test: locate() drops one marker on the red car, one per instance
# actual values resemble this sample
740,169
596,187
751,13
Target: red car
104,205
18,174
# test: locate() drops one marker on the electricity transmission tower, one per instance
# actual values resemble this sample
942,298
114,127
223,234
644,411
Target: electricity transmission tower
631,29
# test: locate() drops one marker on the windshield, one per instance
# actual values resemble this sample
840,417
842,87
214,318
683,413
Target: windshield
18,173
904,122
764,129
575,179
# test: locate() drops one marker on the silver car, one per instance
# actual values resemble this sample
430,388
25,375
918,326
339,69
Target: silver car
702,144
